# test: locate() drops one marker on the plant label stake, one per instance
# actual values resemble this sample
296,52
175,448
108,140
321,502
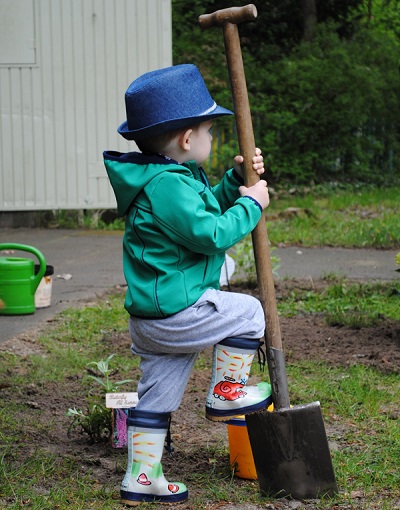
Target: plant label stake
290,446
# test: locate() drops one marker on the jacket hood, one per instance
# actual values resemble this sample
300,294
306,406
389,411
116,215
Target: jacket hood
129,173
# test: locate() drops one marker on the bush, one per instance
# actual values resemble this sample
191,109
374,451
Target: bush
329,110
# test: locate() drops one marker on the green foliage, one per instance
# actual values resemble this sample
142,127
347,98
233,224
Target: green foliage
279,26
330,110
103,366
324,107
383,15
96,422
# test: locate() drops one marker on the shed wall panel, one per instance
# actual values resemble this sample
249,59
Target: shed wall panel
59,113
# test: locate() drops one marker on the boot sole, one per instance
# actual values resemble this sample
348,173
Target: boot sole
149,498
228,415
128,502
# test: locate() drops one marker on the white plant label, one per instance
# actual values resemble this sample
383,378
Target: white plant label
121,400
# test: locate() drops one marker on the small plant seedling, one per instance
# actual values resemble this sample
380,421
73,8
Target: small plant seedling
103,366
97,421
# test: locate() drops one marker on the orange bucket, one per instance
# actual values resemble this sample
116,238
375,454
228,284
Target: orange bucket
240,453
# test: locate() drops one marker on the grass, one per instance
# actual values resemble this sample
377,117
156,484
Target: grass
328,215
344,303
364,403
360,407
365,218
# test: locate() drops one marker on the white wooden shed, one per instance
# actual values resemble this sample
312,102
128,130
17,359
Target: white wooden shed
64,69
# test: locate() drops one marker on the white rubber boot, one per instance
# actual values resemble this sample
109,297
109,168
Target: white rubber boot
228,394
144,479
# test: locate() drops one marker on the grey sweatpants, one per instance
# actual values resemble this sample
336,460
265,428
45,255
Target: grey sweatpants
169,347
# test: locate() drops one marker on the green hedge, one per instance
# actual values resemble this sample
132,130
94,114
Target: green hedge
330,110
322,111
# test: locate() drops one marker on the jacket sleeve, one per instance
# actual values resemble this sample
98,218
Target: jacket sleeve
190,215
226,191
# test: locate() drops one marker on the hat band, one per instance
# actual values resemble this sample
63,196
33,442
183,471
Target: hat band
209,110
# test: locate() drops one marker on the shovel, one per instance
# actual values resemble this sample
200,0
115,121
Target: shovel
290,446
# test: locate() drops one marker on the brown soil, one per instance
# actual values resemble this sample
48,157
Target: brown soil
197,441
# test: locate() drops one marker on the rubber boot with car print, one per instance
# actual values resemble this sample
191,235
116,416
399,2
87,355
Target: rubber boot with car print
228,394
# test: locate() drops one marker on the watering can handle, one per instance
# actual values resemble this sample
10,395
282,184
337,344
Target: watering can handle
42,261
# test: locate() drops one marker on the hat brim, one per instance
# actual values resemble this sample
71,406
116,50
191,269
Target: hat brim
170,125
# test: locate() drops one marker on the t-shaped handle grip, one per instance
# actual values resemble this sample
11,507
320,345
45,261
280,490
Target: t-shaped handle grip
234,15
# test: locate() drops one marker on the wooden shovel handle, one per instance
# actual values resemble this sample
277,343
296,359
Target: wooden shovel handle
247,147
245,131
276,362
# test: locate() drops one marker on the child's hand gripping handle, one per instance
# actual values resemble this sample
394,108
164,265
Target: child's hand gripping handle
228,19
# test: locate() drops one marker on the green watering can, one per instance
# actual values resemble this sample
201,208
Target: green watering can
18,281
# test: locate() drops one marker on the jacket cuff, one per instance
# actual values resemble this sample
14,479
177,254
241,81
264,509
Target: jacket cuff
255,201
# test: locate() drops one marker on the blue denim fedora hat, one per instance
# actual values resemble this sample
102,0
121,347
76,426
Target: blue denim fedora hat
167,99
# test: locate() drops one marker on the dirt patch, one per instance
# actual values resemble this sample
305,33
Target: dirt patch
309,338
24,345
198,442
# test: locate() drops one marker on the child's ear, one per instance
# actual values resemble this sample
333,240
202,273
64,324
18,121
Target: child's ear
184,139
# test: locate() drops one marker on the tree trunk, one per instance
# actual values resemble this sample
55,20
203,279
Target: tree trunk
309,10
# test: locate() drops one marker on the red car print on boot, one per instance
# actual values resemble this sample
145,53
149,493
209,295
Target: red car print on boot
228,390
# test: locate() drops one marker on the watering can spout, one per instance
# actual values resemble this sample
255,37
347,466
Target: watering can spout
18,281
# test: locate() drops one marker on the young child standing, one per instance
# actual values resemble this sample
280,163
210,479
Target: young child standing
177,231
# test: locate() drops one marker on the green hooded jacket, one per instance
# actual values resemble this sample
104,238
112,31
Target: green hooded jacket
177,229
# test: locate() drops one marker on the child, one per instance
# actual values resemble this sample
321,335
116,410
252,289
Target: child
177,230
